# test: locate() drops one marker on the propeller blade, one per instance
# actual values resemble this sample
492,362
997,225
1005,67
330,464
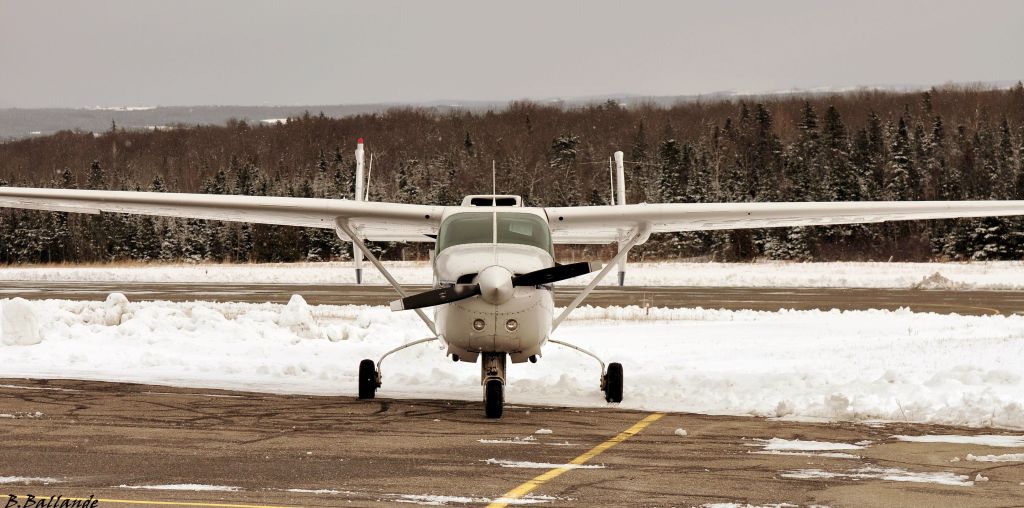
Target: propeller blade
555,273
436,297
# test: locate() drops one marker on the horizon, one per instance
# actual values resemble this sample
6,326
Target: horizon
726,94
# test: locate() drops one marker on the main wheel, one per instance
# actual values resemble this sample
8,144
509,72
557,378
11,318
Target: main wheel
494,398
367,379
613,383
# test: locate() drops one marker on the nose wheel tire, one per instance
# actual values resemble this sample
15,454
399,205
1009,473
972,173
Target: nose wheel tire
367,379
494,398
613,383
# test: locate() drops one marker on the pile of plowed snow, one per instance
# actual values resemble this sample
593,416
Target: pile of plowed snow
891,365
18,323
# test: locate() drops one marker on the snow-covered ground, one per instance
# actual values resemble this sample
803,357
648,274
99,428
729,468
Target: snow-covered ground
860,365
979,275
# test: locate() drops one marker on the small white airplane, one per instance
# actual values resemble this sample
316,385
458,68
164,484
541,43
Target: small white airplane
494,260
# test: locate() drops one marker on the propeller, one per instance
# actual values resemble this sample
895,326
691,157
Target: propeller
555,273
495,285
436,297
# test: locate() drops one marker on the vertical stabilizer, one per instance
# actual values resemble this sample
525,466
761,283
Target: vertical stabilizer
620,190
357,255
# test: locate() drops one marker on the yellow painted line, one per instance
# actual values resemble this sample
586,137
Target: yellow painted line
171,503
532,485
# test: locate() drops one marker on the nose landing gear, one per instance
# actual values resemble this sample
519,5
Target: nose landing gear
494,398
492,377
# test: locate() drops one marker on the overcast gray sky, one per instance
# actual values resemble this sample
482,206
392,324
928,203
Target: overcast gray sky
249,52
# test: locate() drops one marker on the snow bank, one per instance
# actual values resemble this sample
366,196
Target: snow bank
974,275
861,365
115,309
18,323
298,317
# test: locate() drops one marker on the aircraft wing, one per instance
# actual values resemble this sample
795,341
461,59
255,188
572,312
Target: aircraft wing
376,221
605,224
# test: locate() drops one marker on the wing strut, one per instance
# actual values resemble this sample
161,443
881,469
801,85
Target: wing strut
344,232
357,255
620,189
640,235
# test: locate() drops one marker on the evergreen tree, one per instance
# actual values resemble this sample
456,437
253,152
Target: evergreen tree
926,102
840,178
321,164
408,181
562,161
805,168
898,184
646,175
673,168
443,189
344,179
877,153
97,178
935,162
1005,165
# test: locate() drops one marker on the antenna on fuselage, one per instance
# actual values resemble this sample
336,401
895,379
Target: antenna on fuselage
620,187
357,255
494,206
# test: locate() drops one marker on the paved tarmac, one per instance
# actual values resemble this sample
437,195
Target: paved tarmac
771,299
108,440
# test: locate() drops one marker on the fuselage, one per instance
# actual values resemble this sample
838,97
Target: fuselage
503,319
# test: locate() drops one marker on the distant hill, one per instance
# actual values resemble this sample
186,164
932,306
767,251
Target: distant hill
21,123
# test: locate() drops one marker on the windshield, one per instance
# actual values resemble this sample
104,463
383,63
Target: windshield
515,228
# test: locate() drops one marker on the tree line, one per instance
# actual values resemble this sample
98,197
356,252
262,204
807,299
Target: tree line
947,143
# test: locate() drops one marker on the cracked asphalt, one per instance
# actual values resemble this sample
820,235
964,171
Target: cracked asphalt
108,440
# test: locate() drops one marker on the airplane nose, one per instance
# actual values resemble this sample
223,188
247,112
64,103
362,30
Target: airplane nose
495,285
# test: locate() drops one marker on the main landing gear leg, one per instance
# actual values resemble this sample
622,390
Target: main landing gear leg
611,377
369,373
492,377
